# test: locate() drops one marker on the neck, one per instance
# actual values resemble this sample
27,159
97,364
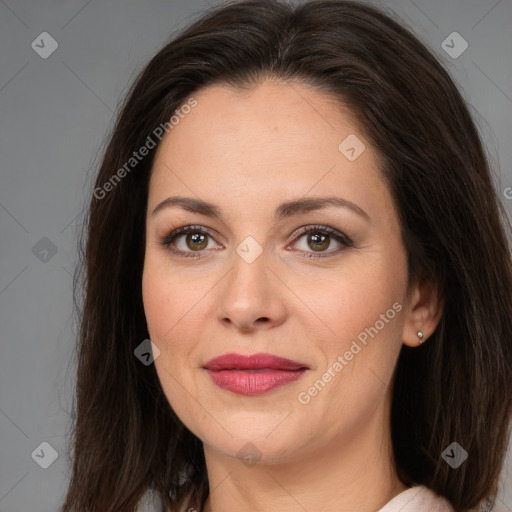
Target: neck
342,475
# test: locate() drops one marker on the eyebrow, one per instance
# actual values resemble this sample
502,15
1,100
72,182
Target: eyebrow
286,209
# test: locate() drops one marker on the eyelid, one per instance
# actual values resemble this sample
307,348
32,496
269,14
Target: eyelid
324,229
183,230
339,236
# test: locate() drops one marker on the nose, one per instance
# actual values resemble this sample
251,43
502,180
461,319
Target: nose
251,297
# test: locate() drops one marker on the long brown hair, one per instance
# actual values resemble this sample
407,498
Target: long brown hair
126,438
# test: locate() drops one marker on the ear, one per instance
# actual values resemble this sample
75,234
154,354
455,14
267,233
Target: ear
424,312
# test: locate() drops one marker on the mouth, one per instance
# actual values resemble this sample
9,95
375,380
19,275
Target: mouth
256,362
254,374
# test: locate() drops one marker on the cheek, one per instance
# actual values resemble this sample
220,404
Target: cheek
156,297
174,305
353,297
168,309
166,312
363,313
360,310
170,298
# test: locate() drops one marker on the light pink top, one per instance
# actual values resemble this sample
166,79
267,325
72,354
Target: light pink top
417,499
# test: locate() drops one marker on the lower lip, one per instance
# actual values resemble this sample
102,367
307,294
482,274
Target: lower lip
253,383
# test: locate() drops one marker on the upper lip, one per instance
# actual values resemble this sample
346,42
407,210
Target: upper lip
252,362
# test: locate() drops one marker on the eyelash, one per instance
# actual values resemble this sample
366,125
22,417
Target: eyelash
325,230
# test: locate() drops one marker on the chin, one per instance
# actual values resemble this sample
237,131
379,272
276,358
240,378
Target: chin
254,444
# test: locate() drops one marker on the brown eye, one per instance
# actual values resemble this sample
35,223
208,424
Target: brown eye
318,242
319,239
195,240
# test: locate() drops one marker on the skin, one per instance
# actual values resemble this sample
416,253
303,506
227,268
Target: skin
246,152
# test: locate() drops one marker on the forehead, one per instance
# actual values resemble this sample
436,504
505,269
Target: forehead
274,141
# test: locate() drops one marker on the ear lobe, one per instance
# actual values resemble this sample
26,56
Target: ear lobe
424,313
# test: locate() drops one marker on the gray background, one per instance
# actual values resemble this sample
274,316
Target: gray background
55,113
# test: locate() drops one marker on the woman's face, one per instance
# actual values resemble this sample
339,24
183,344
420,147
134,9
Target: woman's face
248,279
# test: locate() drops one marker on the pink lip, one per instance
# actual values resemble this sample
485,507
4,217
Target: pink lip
254,374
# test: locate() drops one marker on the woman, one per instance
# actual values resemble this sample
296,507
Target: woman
296,278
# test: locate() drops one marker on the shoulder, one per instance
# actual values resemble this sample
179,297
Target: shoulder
151,502
418,499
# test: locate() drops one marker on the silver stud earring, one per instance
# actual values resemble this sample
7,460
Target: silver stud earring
420,336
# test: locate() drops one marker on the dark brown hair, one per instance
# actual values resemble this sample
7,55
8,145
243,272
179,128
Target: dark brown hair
455,387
